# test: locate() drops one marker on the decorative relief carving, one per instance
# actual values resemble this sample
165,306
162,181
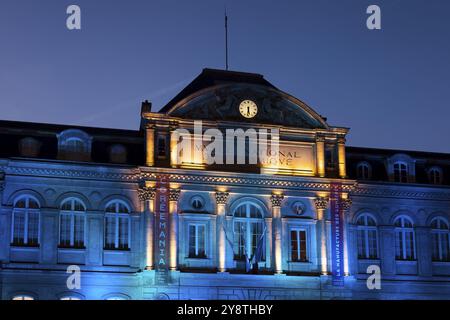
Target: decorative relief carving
321,203
146,193
174,194
346,204
222,197
276,200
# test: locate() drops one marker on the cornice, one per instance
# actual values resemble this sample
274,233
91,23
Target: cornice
226,179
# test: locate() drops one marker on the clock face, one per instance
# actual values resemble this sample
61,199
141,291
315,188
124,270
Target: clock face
248,108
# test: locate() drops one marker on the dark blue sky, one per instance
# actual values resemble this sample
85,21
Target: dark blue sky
391,87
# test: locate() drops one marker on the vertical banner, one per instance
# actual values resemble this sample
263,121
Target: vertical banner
337,235
162,230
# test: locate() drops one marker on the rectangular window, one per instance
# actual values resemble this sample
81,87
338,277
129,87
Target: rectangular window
197,241
298,245
372,239
161,146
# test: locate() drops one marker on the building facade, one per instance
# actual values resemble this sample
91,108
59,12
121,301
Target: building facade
142,219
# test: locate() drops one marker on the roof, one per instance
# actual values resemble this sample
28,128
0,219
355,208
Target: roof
211,77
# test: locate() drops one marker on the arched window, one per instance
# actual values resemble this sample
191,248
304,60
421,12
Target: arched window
248,232
71,224
405,247
367,237
363,171
441,242
117,226
69,298
22,297
25,222
29,147
75,145
118,154
400,172
435,175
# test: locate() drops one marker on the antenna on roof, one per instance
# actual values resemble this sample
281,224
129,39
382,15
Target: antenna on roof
226,39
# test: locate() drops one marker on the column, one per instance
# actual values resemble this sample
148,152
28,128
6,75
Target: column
320,156
221,201
276,200
150,146
321,204
341,157
174,195
346,206
147,196
174,137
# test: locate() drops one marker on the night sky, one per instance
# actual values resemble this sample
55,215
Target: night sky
391,87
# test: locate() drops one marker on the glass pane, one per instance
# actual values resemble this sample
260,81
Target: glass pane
372,234
78,231
192,241
19,227
110,230
33,228
123,233
65,230
294,246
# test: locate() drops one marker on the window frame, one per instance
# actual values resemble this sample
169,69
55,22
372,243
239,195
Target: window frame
248,221
364,164
432,175
365,229
402,230
117,216
401,170
26,212
72,214
197,226
297,230
440,232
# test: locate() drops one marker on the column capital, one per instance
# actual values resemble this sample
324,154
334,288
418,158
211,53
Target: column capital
222,197
320,138
321,203
276,200
174,194
341,139
346,204
146,193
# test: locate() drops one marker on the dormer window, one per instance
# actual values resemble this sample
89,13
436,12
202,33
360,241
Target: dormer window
118,154
363,171
29,147
400,172
74,145
435,175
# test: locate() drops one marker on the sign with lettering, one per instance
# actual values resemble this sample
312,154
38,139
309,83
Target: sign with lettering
162,230
337,235
290,159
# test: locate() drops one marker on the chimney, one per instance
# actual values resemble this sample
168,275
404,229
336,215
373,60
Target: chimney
146,107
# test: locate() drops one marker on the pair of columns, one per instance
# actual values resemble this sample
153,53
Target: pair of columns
148,195
320,156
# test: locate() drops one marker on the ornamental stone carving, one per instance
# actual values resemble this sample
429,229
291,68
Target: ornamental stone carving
174,194
346,204
222,197
321,203
146,193
276,200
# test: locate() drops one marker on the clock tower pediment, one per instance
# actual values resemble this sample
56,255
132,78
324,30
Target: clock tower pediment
241,102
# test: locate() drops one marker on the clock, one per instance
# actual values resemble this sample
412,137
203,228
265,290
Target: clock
248,109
